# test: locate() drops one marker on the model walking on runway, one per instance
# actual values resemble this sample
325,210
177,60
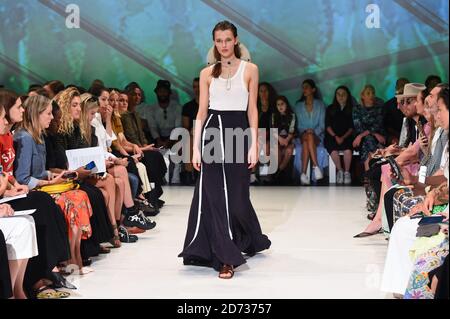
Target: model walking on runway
222,222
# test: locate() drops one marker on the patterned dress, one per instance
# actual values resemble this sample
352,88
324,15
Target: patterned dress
368,119
77,210
420,282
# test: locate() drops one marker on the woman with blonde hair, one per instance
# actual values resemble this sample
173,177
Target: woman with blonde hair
75,131
368,125
30,169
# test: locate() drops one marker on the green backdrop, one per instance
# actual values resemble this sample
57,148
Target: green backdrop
121,41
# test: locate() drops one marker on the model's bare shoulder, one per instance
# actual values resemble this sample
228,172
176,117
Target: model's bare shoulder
252,67
206,72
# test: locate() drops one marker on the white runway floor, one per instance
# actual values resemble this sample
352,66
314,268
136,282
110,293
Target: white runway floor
313,254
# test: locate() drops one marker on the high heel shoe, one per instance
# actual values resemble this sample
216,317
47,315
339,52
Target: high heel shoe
367,234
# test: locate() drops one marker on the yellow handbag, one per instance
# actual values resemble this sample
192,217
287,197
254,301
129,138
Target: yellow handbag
59,188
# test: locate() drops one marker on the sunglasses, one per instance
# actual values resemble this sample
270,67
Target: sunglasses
407,101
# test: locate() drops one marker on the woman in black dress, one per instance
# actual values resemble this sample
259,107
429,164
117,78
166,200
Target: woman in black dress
283,119
339,130
222,222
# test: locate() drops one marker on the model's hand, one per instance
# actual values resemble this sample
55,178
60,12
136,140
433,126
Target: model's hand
253,156
196,159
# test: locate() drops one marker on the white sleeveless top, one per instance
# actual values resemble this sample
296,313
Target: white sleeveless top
233,98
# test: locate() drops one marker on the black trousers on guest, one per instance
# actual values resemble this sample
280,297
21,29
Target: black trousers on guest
5,278
51,234
389,206
101,226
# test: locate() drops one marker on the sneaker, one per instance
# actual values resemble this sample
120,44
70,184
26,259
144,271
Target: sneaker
304,179
146,207
136,221
147,220
340,177
125,237
347,178
317,173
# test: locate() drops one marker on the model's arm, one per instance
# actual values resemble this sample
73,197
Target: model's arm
253,113
201,116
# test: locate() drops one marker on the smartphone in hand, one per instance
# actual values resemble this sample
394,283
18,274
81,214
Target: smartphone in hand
395,168
90,166
70,175
431,220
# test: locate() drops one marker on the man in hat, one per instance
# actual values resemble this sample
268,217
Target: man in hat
392,115
164,116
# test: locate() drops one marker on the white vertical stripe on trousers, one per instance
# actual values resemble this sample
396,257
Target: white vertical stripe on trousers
224,177
201,184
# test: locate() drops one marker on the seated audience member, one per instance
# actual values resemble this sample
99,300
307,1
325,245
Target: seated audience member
266,105
283,119
393,116
368,124
21,244
431,82
5,277
189,114
53,88
339,132
163,116
310,114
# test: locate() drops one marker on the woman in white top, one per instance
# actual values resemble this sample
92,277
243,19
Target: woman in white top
222,222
